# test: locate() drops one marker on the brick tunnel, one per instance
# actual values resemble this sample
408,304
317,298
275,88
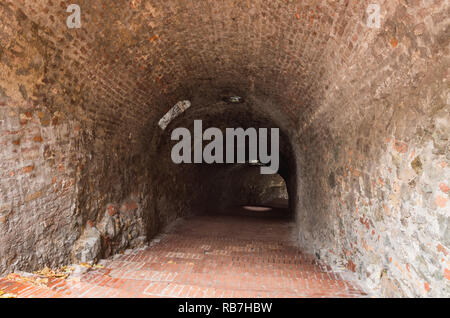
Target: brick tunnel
360,202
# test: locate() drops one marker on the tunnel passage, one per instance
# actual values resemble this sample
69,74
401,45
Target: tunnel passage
214,188
364,113
247,187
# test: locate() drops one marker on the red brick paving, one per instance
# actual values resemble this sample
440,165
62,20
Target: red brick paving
206,256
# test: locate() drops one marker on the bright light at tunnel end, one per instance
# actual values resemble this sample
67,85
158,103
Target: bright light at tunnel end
213,152
257,208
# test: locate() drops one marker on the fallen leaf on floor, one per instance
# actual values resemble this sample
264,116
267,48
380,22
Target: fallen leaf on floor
91,266
50,273
6,295
41,282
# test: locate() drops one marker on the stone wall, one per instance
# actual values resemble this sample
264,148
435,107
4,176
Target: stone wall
63,172
38,216
374,166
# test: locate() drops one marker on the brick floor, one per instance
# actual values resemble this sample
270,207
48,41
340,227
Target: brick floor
206,256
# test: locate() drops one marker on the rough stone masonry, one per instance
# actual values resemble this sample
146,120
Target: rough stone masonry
363,112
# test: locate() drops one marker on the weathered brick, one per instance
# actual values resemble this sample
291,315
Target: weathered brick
28,169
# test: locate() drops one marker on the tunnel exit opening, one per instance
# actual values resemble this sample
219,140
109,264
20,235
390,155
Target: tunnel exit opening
244,191
223,187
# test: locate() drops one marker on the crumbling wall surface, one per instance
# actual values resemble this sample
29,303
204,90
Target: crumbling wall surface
38,156
374,170
114,200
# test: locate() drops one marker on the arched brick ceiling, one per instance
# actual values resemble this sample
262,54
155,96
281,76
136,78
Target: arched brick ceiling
135,59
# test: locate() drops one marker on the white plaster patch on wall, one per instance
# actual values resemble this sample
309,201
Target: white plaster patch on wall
174,112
